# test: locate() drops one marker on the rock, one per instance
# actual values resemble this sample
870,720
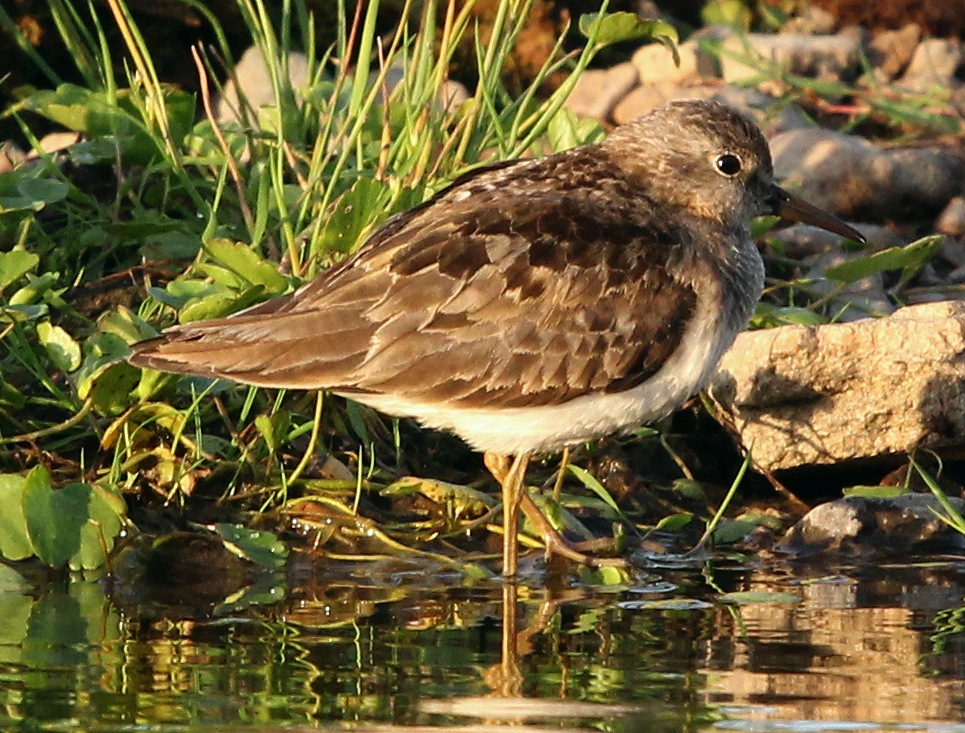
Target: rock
810,395
810,20
933,66
952,251
819,56
597,91
648,97
952,219
858,300
801,241
957,276
453,94
10,156
890,51
852,177
771,114
655,63
867,526
827,168
251,75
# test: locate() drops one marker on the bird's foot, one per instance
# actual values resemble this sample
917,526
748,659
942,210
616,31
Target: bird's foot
556,545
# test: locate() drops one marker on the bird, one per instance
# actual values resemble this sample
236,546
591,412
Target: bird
533,304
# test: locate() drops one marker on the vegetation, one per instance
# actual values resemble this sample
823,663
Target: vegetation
166,211
163,213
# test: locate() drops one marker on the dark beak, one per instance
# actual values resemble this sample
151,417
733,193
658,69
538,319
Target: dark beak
790,207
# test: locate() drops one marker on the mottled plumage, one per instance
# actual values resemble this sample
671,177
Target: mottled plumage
532,304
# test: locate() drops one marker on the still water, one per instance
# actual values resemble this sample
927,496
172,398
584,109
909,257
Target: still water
376,646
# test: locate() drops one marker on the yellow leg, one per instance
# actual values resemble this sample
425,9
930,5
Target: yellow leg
511,479
512,486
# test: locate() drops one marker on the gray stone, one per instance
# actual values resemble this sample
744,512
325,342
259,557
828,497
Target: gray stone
867,526
655,63
598,91
850,176
818,56
10,156
801,241
252,77
957,276
647,97
890,51
809,395
857,300
952,250
933,66
952,219
810,20
771,114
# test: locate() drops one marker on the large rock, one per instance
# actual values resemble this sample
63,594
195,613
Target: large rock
808,395
647,97
749,58
933,66
597,91
852,177
890,51
869,526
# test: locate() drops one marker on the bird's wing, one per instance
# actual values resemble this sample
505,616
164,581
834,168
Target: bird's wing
495,294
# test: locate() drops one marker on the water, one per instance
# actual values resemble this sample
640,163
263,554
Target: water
373,646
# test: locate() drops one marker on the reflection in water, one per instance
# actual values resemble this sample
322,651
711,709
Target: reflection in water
381,646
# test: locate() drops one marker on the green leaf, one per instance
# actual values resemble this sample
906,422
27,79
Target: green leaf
54,517
274,429
15,609
218,305
609,577
97,535
267,589
874,492
63,350
104,350
261,548
112,388
463,500
910,257
10,582
355,212
44,190
74,525
768,316
949,514
605,29
731,531
247,264
727,12
675,522
15,264
590,481
749,598
14,540
35,290
566,130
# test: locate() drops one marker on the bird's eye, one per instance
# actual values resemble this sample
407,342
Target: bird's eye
728,164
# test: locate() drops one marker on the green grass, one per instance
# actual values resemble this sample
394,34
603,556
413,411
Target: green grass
161,215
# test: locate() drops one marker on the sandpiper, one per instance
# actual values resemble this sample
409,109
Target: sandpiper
533,304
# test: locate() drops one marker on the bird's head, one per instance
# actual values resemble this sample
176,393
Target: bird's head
712,161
